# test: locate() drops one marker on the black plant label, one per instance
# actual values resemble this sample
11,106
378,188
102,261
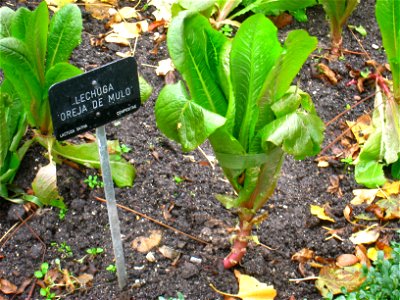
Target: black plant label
94,98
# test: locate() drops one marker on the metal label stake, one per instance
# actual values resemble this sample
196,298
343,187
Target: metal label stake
111,206
90,101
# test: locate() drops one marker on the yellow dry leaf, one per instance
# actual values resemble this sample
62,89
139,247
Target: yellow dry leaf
361,129
391,207
251,289
372,253
126,30
163,9
55,5
364,196
145,244
128,12
320,213
116,39
389,188
366,236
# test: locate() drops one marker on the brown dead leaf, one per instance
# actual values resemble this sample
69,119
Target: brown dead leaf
321,213
334,187
250,289
145,244
156,24
282,20
6,287
85,280
99,9
169,252
361,253
334,233
328,73
347,212
332,279
303,256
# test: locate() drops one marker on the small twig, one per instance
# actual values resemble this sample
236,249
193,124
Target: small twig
206,156
359,42
156,221
347,110
16,229
150,66
8,231
297,280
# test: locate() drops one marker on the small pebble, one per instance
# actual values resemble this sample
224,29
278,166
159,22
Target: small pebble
375,46
357,98
195,260
150,257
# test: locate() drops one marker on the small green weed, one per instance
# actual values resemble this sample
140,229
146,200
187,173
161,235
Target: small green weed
63,248
125,148
47,293
179,294
44,268
93,182
111,268
62,213
94,251
178,179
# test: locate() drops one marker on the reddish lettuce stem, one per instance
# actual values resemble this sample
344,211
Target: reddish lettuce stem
239,244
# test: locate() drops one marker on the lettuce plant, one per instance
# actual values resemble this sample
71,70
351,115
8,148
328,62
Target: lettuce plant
220,11
34,53
239,98
383,145
338,12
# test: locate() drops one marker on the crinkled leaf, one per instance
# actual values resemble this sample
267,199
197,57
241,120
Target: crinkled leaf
6,16
249,67
366,236
45,184
388,18
183,120
299,133
274,7
59,72
298,46
194,47
64,34
332,279
19,69
123,173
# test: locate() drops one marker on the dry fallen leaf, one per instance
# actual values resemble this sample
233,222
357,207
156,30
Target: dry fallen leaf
250,289
320,213
163,9
85,280
330,75
99,9
145,244
390,207
303,256
367,236
361,253
388,189
55,5
332,279
169,252
7,287
362,128
364,196
334,188
165,66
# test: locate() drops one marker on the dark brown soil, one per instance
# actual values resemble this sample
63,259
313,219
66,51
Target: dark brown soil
194,210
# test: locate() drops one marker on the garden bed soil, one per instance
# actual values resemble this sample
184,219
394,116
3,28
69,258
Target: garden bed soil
190,206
